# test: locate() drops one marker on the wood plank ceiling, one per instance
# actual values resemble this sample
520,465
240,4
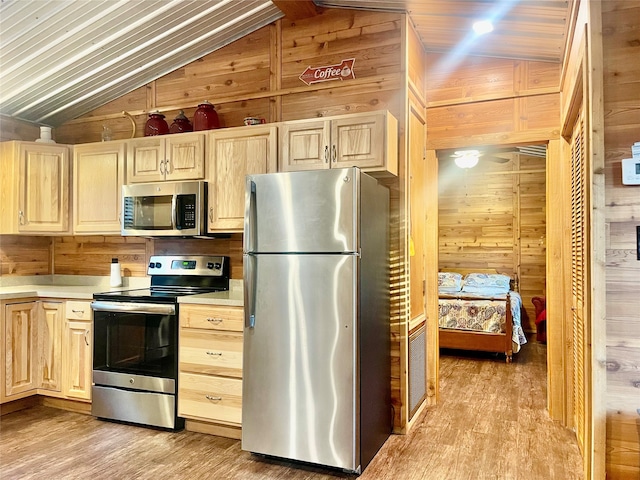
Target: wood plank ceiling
523,29
63,58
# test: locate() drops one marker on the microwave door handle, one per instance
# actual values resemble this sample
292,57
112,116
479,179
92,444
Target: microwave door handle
176,205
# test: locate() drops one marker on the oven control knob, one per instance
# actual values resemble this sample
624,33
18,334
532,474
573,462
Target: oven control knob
131,380
213,266
152,265
158,265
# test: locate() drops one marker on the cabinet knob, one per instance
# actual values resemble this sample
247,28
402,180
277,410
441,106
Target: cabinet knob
162,169
167,166
20,217
326,154
212,398
334,153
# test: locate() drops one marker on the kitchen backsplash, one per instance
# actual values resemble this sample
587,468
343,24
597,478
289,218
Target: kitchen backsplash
91,255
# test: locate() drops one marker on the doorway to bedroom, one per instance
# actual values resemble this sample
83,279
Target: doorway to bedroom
492,218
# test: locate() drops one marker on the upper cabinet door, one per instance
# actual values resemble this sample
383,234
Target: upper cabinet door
166,157
365,140
184,156
43,202
233,154
145,160
98,175
305,145
358,141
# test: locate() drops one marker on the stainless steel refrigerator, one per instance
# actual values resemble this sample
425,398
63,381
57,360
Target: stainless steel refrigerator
316,373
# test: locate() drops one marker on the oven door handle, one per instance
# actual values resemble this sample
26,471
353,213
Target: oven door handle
127,307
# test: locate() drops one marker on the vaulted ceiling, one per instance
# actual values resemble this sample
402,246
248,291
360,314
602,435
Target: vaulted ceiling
60,59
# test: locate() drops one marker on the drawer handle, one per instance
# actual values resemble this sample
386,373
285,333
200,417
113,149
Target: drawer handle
78,312
212,398
214,320
215,353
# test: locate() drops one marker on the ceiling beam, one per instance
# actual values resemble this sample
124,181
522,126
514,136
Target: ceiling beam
298,9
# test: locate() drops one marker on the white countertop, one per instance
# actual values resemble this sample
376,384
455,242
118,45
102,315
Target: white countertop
83,288
50,291
233,298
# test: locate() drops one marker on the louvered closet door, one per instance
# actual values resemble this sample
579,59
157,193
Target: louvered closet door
579,281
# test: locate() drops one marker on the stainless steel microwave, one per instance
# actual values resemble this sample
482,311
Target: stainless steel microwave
164,209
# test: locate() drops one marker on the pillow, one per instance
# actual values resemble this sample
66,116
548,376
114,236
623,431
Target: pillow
493,283
449,282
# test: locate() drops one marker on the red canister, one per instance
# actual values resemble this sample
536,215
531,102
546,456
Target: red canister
156,125
181,124
205,117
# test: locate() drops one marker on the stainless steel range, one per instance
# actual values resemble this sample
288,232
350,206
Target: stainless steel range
135,356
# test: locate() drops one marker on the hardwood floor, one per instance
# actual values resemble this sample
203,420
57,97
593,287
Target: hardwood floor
491,423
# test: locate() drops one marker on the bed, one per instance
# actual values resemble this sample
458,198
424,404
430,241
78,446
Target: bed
480,310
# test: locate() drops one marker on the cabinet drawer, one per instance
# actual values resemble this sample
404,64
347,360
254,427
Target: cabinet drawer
210,397
78,310
212,317
211,353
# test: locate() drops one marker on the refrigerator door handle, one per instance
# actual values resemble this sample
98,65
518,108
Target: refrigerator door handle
250,215
249,273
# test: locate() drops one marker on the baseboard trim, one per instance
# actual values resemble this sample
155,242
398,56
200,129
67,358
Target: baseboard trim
213,429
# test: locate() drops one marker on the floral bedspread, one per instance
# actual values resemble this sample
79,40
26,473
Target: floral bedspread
482,315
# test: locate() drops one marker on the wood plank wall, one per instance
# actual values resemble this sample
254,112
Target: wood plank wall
258,75
91,255
25,255
12,129
490,216
487,101
493,216
621,43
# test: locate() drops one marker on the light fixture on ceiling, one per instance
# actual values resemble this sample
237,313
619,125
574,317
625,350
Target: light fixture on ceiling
466,158
482,26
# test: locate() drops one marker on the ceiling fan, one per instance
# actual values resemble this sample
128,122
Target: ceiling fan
469,158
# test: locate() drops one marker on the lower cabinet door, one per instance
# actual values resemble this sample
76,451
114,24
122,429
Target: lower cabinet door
77,360
210,398
20,349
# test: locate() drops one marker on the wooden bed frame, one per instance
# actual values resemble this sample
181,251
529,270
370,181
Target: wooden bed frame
479,341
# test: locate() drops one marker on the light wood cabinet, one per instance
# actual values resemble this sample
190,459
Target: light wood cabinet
46,349
34,184
77,351
50,323
166,157
98,176
368,141
234,153
210,364
20,344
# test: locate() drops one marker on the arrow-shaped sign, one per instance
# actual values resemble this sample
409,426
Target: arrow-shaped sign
341,71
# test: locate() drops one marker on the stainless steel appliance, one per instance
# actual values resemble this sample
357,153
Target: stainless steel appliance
135,356
316,373
164,209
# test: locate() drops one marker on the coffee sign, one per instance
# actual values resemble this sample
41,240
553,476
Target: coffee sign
341,71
